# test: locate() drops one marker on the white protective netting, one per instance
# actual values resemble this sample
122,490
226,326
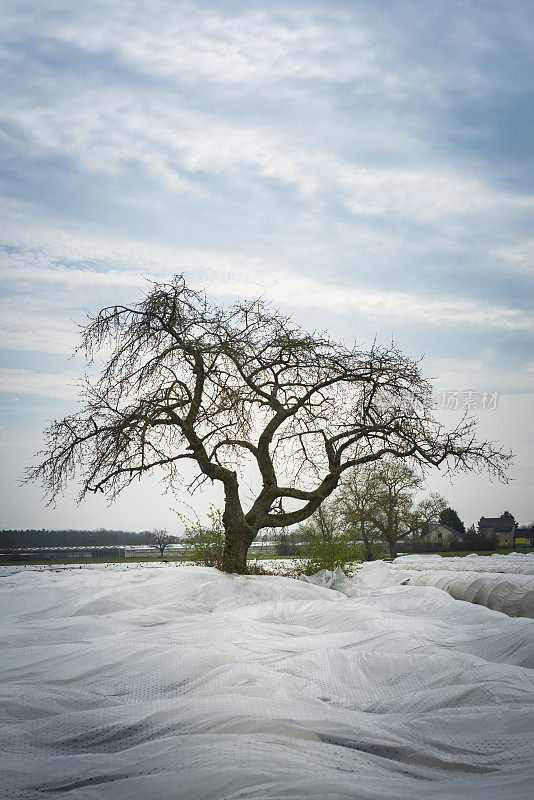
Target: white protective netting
370,575
159,683
502,583
516,563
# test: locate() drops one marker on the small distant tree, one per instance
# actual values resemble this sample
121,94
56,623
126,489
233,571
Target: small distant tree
287,543
160,540
355,504
450,518
283,544
473,539
231,388
391,511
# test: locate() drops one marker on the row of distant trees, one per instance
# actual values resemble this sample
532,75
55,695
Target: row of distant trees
10,539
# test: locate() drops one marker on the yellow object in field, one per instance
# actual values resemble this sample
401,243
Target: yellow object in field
521,541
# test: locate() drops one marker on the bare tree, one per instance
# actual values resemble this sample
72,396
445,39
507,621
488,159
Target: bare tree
160,540
355,504
220,387
384,505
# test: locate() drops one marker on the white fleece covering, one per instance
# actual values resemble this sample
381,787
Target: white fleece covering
502,583
160,683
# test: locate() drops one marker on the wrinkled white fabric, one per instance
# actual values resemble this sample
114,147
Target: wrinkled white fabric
518,563
509,589
167,682
512,594
370,575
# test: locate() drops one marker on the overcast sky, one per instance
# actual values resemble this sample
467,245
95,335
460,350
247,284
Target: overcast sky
368,166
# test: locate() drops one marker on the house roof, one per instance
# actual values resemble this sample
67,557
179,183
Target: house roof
502,524
441,525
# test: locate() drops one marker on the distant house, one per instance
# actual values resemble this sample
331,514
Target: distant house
501,529
439,534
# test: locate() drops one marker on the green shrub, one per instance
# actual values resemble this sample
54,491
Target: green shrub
255,568
205,543
329,552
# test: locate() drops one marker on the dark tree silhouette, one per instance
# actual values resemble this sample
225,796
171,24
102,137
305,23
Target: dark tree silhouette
160,540
450,517
380,500
220,387
355,503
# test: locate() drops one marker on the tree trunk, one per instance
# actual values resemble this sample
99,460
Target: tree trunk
367,545
236,544
368,548
392,548
238,535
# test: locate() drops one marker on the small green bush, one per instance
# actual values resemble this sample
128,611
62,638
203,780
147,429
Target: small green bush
255,568
330,552
205,544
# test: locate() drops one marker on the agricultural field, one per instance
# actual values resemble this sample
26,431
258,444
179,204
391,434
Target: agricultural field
138,680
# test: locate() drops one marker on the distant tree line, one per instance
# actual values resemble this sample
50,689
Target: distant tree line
19,539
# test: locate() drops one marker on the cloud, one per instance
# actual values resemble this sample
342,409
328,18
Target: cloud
34,331
224,278
175,135
166,39
477,373
214,43
108,130
518,256
398,307
22,381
